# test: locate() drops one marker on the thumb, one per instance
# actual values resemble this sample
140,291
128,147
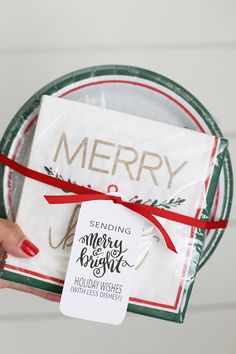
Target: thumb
14,242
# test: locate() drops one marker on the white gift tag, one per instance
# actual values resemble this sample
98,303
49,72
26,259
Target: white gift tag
101,266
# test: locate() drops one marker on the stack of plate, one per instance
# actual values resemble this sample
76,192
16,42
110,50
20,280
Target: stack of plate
124,89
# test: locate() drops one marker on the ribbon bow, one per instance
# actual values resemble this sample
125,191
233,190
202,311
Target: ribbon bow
83,194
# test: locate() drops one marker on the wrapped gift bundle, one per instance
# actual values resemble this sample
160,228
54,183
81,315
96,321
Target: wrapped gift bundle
143,161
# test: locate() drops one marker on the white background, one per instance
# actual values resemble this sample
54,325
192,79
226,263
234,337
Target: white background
192,42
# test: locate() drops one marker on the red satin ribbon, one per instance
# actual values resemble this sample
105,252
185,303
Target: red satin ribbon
83,194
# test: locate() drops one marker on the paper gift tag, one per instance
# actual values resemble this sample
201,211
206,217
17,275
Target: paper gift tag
101,265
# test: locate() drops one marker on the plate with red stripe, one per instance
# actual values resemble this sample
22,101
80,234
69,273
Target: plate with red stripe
125,89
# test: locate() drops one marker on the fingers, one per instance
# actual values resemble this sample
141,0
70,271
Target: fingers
13,240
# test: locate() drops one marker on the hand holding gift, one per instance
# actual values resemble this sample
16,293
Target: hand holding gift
14,242
165,173
78,143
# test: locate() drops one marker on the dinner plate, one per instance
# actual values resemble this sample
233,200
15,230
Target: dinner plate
121,88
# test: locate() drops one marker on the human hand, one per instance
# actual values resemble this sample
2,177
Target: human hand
14,242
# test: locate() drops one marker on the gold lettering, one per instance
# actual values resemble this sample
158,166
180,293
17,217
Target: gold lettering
149,168
95,154
63,142
124,162
67,239
172,173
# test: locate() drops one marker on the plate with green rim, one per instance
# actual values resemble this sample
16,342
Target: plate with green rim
126,89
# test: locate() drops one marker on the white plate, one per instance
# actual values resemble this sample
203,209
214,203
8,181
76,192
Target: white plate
125,89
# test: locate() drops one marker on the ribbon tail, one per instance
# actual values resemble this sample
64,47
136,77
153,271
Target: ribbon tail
153,220
184,219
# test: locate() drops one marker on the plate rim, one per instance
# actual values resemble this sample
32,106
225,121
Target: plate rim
117,70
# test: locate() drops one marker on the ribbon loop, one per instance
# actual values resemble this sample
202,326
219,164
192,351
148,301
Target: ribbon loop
137,208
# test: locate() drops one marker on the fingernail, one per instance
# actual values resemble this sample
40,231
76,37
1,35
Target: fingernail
29,248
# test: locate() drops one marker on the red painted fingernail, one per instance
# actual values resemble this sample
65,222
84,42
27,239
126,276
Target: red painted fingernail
29,248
